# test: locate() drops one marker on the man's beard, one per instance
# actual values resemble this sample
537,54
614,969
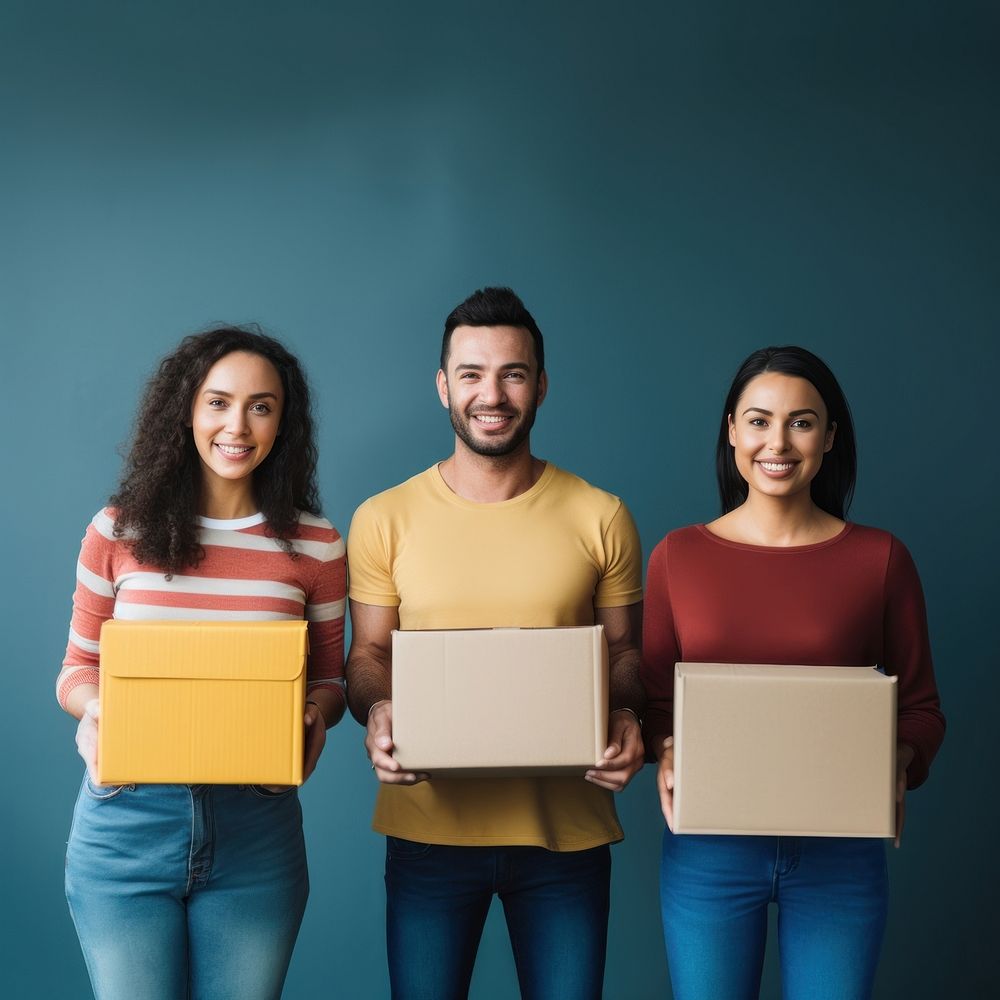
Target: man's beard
493,449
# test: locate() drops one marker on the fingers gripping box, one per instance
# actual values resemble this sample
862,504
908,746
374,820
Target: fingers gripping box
202,702
494,701
784,750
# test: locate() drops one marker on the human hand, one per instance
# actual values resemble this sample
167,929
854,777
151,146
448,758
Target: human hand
313,742
315,739
86,737
378,743
665,781
624,755
904,758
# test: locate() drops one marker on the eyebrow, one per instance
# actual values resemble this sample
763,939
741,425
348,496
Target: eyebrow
229,395
768,413
510,365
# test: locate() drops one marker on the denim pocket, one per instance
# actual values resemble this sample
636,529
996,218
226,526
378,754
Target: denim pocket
262,793
102,793
406,850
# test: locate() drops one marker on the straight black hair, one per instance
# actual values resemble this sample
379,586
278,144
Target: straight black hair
492,307
833,487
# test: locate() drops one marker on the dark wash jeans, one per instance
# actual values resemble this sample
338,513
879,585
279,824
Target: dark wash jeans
555,902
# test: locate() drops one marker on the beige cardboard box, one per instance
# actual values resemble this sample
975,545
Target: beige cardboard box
202,702
496,701
794,750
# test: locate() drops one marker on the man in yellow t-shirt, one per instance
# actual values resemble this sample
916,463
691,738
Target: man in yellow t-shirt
493,536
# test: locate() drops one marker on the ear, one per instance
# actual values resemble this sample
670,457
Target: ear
543,387
732,429
442,387
830,434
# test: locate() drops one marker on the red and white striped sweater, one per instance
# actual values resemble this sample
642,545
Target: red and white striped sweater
245,576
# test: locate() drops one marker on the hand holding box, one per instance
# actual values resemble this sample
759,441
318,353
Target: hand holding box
492,701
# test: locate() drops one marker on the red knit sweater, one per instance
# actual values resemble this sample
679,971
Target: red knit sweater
854,600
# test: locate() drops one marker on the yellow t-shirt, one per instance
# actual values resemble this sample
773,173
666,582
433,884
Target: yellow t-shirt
545,558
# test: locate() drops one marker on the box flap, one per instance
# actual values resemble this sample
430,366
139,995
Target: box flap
268,650
750,672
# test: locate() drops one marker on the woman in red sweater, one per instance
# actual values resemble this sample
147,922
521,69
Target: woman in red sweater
781,577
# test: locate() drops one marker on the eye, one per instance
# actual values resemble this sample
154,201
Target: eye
467,376
261,409
515,376
217,404
802,424
758,422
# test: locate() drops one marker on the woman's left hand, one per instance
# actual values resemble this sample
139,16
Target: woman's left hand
86,738
314,740
904,757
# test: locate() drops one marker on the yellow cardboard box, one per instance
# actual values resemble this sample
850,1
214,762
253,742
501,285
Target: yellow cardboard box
469,702
784,750
199,702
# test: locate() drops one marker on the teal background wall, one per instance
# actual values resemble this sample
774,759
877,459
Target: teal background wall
668,185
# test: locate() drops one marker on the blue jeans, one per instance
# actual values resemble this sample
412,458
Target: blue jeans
555,902
186,891
832,898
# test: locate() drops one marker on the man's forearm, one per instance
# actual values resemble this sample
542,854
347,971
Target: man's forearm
626,690
368,680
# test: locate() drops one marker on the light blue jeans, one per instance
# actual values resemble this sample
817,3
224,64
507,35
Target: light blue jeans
832,898
186,891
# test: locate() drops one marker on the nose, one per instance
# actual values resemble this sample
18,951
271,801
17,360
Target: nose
491,391
777,440
236,422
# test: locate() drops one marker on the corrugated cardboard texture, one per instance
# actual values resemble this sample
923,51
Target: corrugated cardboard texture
202,702
795,750
490,701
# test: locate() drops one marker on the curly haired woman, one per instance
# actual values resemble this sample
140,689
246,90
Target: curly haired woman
199,890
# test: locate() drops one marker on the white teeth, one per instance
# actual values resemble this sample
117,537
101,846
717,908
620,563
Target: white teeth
232,449
776,466
484,418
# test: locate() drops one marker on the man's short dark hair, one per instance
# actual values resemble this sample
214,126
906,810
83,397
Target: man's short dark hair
492,307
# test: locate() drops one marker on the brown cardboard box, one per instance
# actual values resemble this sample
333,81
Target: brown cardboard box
202,702
495,701
800,751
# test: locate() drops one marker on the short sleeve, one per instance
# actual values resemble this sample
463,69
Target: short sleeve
368,559
621,582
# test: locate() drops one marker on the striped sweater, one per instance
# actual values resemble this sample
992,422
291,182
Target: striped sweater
245,576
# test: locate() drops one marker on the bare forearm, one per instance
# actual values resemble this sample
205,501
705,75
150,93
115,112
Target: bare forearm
369,679
623,630
369,662
626,689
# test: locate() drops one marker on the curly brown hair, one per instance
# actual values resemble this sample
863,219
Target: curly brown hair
157,500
